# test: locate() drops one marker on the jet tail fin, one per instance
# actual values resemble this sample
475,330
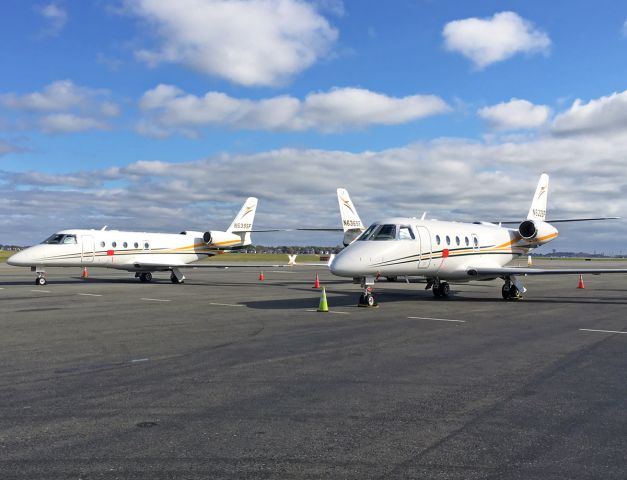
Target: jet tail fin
351,223
537,211
242,224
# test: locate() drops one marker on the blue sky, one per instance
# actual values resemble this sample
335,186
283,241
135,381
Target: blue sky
164,115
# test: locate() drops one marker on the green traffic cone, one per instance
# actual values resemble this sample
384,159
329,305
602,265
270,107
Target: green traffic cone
324,306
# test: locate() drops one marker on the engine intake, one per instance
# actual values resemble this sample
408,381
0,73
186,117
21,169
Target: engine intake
206,237
528,229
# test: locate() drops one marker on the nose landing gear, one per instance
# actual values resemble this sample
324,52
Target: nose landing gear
144,277
367,298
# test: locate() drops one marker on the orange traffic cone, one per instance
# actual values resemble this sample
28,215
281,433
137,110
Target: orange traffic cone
581,285
261,277
317,282
85,272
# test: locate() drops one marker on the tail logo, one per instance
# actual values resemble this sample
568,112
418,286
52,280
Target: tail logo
347,203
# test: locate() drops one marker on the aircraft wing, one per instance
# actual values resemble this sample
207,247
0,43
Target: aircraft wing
500,271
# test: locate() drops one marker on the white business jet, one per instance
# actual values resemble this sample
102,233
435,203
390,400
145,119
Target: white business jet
139,252
452,251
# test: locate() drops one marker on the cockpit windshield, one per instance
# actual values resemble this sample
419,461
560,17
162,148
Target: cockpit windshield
60,238
387,232
379,232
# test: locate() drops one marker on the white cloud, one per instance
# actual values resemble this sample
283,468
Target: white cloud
625,28
69,123
488,40
59,95
254,42
55,16
61,107
515,114
602,115
171,110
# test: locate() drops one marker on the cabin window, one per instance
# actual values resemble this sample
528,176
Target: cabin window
437,239
467,242
59,238
146,245
114,244
448,240
405,233
125,245
384,232
136,245
102,244
476,241
457,241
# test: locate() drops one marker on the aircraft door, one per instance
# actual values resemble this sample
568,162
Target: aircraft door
425,247
88,248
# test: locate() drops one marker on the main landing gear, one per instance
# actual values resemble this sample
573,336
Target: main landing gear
512,289
144,277
440,289
176,276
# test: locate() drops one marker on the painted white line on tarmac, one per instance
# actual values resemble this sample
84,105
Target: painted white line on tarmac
330,311
227,304
41,291
90,294
1,288
155,299
437,319
281,271
602,331
138,360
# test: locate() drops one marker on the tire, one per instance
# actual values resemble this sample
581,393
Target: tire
514,293
40,281
505,292
445,289
370,300
437,293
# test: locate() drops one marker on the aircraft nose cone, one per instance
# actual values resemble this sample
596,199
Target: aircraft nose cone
343,265
17,259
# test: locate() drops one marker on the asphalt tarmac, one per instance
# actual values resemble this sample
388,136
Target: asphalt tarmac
229,377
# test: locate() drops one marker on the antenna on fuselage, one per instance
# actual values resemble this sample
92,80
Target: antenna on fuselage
103,228
423,216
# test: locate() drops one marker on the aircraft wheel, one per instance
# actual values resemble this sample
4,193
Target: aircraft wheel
445,289
436,290
40,281
505,292
145,277
391,279
370,300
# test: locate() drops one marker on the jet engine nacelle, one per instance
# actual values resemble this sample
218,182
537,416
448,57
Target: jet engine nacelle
537,231
221,239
